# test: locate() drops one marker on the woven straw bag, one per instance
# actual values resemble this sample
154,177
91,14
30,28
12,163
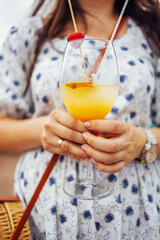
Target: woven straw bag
11,210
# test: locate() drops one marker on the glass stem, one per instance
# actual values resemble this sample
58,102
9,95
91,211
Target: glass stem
89,169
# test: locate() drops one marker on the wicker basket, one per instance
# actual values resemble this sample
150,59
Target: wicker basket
10,214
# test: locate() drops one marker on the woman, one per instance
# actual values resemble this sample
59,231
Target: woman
32,116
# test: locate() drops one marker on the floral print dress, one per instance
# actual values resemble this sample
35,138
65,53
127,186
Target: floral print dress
133,211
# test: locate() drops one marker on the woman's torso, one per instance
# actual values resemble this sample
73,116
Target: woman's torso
64,216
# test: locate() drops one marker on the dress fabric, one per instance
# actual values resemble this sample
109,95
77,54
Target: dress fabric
133,211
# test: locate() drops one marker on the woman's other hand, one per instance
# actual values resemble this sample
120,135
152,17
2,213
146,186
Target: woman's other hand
112,154
61,125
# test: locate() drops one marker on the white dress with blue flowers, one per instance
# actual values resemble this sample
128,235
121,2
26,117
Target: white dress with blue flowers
133,211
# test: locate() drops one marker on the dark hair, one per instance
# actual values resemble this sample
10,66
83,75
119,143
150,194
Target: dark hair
145,13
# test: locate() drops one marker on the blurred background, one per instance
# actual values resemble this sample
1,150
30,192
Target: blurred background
12,12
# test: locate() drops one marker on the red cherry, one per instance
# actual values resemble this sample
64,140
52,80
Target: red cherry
74,36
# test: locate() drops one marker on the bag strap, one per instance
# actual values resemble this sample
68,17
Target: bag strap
31,203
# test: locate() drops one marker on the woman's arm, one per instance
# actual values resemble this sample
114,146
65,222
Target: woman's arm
125,144
20,135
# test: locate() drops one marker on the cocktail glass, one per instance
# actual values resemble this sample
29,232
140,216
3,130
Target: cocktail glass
89,88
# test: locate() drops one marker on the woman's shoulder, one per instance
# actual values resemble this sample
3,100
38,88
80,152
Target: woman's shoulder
25,31
32,23
135,29
27,27
21,38
138,39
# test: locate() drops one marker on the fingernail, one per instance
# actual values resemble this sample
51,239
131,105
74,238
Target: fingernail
83,160
84,148
93,161
87,124
85,136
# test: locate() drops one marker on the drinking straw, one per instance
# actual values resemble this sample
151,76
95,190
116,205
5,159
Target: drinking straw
115,29
119,20
76,30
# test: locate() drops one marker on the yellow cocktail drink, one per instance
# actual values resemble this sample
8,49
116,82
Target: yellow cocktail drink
86,101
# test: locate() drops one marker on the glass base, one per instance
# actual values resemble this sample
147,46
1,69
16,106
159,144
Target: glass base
88,189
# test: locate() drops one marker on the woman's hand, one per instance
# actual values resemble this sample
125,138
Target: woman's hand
113,154
61,125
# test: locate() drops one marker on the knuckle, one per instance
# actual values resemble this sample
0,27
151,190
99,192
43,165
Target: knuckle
44,138
73,122
57,114
83,154
110,159
113,147
91,141
71,134
94,124
90,153
47,126
114,126
66,147
54,113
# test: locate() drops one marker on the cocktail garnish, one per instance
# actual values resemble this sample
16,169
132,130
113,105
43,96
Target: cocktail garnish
75,35
75,39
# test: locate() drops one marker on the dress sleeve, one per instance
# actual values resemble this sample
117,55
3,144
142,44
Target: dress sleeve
16,57
155,108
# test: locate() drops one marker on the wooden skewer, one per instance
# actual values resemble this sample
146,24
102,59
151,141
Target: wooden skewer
76,30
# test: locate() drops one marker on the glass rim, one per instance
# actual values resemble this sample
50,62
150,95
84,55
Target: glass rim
92,38
107,42
97,38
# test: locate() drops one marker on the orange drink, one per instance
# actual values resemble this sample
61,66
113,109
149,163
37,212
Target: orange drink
86,101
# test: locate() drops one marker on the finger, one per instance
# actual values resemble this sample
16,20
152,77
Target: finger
74,149
64,132
110,168
59,151
67,120
50,141
103,156
68,134
111,145
106,125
